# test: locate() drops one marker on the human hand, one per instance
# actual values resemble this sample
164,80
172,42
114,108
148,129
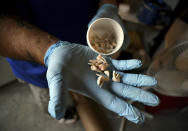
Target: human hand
68,69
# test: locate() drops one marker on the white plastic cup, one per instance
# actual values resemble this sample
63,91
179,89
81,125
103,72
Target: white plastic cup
106,26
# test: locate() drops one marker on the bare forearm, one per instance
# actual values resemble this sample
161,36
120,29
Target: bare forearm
21,40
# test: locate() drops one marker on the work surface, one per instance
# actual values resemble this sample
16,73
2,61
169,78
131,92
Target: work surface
18,112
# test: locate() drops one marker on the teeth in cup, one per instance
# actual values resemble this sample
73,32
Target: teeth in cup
116,77
105,36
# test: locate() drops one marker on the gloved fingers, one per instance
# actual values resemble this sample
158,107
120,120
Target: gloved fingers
126,64
137,79
119,106
135,94
56,108
58,95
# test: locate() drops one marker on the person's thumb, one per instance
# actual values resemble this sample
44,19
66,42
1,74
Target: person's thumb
58,93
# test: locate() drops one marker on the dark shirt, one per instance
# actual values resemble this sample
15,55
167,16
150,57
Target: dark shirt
65,19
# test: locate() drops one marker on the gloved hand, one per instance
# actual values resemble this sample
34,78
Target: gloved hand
111,11
68,69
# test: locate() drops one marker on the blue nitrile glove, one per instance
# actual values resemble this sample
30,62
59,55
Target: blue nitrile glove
68,69
111,11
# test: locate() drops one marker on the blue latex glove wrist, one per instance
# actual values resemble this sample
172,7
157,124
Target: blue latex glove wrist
68,69
111,11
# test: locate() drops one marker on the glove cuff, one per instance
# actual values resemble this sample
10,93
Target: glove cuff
51,49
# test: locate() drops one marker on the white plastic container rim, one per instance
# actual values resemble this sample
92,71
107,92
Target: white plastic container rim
103,26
